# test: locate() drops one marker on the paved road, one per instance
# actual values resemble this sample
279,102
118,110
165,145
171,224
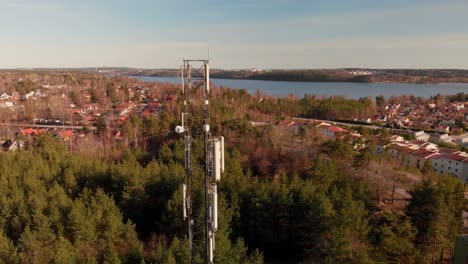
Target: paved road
46,126
350,124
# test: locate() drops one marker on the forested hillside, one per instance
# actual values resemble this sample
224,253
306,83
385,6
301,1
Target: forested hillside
324,75
61,208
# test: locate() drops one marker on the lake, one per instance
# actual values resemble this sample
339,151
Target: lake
351,90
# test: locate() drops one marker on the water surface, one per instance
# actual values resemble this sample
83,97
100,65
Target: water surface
351,90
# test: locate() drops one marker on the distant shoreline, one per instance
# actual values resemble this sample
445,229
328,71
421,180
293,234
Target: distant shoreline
302,80
339,75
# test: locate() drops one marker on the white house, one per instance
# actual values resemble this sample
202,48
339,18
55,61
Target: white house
455,163
329,131
443,138
458,106
365,120
416,153
421,135
4,96
30,94
418,158
397,138
6,104
462,140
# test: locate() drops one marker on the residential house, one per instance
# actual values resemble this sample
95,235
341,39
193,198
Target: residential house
419,144
455,163
15,96
27,96
66,135
397,138
365,120
88,118
32,132
331,132
400,152
6,104
87,108
444,161
124,108
418,158
421,135
4,96
443,129
462,140
118,135
458,106
10,145
446,138
38,93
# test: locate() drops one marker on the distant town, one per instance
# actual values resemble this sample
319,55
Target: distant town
70,105
320,75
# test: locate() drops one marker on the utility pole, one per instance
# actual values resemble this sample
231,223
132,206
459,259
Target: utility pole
197,104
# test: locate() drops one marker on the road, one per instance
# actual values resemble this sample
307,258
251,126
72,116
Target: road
350,124
46,126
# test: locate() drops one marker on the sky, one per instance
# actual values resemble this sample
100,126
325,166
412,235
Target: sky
267,34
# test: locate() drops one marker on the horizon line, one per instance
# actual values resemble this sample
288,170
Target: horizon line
247,68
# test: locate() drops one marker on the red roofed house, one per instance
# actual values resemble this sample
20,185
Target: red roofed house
40,131
66,134
153,104
118,135
332,132
124,108
396,138
418,158
32,132
89,118
147,112
27,131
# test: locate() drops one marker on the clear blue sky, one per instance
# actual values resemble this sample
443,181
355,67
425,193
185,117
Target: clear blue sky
238,34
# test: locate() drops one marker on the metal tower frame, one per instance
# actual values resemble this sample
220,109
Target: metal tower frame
192,80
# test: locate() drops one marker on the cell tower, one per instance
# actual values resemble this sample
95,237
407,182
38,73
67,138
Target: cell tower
195,93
